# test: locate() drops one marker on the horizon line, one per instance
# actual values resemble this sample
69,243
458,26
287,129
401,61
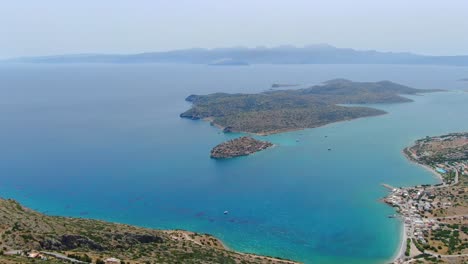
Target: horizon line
257,47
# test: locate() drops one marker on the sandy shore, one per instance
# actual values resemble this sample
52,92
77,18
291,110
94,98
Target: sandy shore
413,160
400,254
401,251
436,174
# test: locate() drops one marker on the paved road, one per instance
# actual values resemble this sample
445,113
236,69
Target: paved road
446,256
63,257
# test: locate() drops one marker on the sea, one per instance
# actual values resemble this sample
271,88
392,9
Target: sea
106,142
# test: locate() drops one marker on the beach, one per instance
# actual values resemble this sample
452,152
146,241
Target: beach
410,157
400,253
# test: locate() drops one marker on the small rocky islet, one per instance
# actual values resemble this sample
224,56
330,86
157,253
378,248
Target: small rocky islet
242,146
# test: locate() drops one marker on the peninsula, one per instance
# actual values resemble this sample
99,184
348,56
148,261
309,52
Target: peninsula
435,216
285,110
242,146
27,236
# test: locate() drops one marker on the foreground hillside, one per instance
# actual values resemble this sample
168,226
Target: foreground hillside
279,111
24,229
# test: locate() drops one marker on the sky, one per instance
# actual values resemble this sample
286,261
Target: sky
48,27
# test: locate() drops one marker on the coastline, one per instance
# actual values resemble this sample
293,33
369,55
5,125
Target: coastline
185,234
400,253
415,204
96,233
405,152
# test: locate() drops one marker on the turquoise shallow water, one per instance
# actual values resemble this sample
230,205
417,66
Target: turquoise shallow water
105,141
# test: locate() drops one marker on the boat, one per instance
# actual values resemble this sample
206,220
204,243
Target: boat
226,212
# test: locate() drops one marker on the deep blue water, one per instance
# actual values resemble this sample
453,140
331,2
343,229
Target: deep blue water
106,141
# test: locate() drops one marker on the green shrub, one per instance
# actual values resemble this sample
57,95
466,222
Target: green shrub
408,247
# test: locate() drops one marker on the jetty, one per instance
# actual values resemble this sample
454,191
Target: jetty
388,186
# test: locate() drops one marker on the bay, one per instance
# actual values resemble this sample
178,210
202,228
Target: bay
106,142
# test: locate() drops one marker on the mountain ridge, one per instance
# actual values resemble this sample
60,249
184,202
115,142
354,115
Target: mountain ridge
312,54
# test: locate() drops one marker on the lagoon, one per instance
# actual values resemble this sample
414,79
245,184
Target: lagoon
106,142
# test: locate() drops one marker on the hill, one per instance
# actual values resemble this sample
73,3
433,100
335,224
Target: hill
86,239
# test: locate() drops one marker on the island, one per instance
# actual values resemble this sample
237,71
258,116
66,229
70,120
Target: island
242,146
435,216
285,110
279,85
28,236
228,62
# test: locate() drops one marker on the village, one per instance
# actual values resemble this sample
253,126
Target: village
435,217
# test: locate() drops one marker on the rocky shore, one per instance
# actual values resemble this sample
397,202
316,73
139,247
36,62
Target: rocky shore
242,146
28,236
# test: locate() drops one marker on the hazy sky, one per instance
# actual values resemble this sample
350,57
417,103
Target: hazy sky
43,27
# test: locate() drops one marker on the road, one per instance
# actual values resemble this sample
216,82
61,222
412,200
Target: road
62,257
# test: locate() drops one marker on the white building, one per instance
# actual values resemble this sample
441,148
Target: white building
112,261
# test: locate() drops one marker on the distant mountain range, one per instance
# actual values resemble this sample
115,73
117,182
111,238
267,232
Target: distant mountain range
314,54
